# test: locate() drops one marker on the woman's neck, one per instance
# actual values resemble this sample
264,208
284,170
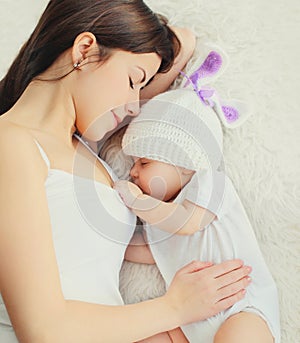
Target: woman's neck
45,107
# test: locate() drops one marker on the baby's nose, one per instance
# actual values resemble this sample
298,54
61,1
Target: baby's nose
134,172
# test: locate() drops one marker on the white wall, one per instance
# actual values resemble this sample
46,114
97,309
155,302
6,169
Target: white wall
17,20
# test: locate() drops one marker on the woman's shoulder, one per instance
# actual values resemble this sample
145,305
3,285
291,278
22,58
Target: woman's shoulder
18,149
8,127
14,137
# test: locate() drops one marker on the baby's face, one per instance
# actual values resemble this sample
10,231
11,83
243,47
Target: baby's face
161,180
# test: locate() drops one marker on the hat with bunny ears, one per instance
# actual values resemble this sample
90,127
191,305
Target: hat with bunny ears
182,127
175,127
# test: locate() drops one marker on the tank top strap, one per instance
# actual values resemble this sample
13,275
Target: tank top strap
43,154
104,164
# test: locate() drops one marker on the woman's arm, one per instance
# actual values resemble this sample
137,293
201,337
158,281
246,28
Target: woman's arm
162,82
30,282
182,219
29,277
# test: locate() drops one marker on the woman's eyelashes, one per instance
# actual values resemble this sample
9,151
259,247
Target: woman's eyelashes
138,79
131,83
148,82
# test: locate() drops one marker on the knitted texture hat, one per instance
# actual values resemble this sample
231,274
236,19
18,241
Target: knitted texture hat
175,127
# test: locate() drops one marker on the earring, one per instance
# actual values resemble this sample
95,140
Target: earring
76,65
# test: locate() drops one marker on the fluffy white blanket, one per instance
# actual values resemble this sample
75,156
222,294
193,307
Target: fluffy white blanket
262,157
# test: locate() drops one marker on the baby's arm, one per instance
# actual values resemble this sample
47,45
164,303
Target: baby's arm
182,219
138,250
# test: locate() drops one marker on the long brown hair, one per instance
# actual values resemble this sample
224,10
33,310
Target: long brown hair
117,24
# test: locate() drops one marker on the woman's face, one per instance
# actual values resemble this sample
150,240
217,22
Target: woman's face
161,180
107,93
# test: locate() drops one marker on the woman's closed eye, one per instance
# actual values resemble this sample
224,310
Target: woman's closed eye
149,81
137,78
131,84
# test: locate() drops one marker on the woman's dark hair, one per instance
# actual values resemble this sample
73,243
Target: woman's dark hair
128,25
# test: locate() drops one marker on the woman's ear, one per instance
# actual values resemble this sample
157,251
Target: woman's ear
84,43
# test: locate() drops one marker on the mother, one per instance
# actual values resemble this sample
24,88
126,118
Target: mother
82,70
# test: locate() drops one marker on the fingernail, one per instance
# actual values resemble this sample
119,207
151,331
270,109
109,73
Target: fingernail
249,269
249,279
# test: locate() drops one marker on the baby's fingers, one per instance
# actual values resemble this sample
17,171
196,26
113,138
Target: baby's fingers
127,191
121,185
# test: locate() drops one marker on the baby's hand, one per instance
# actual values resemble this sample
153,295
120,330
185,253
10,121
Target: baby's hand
128,191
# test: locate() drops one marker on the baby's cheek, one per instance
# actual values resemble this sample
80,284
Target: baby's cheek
158,187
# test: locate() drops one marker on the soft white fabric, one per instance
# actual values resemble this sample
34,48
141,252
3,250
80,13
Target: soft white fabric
229,236
91,229
175,127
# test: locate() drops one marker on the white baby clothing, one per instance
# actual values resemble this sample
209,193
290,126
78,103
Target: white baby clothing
229,236
91,229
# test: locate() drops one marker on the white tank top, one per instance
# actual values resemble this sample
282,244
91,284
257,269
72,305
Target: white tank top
91,229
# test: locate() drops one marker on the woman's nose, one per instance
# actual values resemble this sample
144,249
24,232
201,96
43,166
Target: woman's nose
133,108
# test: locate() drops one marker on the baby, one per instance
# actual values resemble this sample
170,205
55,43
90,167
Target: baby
191,211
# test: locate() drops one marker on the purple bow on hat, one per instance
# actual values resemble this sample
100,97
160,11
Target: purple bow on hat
212,64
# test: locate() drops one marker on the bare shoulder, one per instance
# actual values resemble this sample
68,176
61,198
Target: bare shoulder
10,132
19,150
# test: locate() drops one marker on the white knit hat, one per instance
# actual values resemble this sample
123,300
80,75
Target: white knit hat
175,127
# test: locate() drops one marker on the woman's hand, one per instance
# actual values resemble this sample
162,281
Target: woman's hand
200,290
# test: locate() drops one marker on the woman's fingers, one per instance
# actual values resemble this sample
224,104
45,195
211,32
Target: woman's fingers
193,267
233,288
226,267
233,276
225,303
